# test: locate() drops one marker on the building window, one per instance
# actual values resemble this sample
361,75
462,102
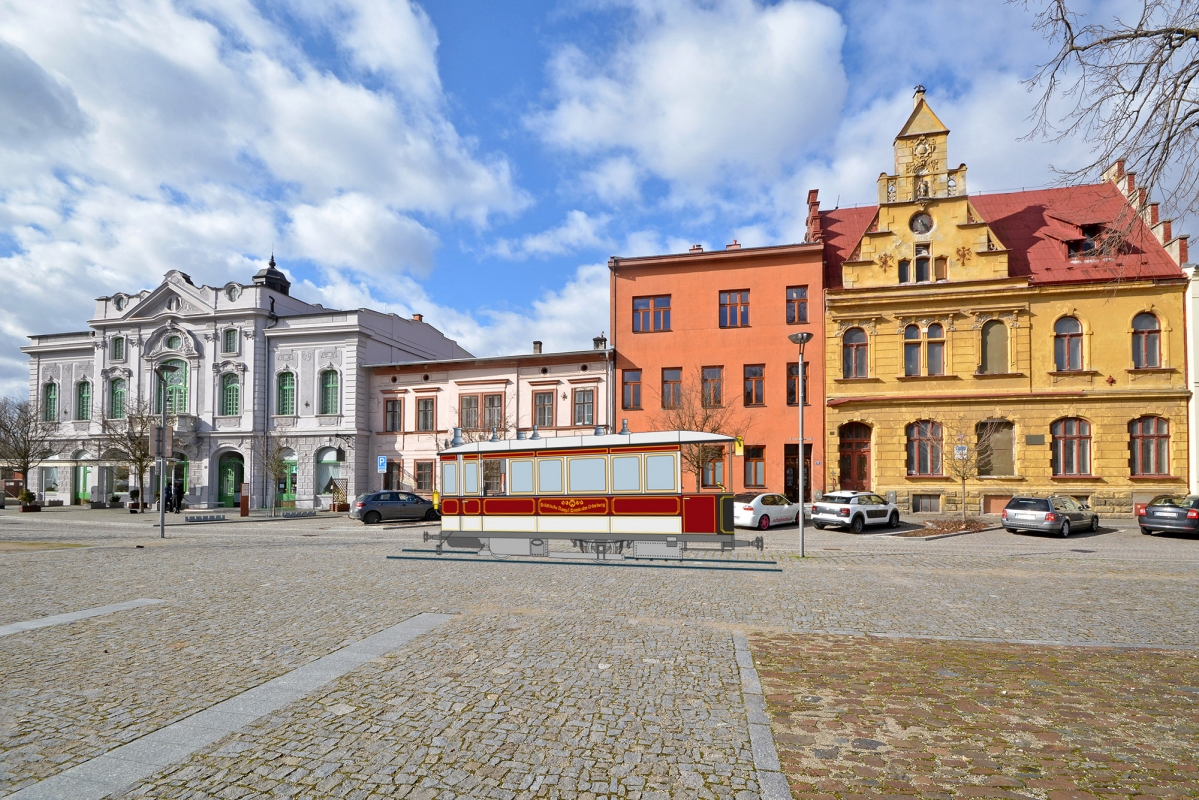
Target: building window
230,343
926,504
1067,344
853,353
584,407
935,359
468,412
734,309
394,477
1150,445
713,477
905,271
924,448
493,412
424,476
672,387
176,387
922,264
50,402
118,349
911,350
631,389
996,447
393,416
755,384
83,400
330,394
651,314
1071,446
543,402
1146,342
712,388
994,359
328,469
793,388
230,396
1091,234
49,479
755,466
285,394
174,303
425,413
174,342
797,304
116,399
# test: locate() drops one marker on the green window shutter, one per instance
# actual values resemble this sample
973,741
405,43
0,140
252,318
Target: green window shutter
116,399
285,400
50,408
230,396
329,392
83,401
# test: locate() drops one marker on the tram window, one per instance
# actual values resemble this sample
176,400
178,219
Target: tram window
589,474
470,477
626,474
660,473
549,476
522,476
449,477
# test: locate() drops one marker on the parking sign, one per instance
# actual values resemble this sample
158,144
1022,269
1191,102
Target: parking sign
382,464
960,452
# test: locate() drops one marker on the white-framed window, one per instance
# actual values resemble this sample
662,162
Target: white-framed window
229,340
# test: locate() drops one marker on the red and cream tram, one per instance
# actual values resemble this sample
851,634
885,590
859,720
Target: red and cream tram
613,493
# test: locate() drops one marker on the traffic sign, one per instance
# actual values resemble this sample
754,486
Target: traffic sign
382,464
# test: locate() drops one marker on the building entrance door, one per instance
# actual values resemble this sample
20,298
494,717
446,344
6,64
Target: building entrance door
83,484
791,473
229,479
855,457
286,496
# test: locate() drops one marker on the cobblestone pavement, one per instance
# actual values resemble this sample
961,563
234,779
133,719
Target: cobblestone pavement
855,717
553,681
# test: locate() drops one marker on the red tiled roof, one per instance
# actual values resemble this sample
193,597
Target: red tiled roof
1035,226
842,229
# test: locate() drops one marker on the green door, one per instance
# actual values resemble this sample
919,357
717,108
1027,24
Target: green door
285,496
83,481
229,477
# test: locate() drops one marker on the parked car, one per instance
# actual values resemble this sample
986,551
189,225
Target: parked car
1059,514
380,506
1170,512
854,510
762,509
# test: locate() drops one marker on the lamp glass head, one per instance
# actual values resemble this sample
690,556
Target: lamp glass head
803,337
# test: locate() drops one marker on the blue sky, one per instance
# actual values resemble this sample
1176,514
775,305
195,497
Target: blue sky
477,162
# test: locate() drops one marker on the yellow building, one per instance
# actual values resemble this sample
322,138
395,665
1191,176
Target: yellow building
1039,334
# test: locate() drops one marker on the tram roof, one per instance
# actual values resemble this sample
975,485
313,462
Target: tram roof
581,442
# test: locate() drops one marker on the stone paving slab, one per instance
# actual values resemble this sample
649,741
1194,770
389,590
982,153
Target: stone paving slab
858,717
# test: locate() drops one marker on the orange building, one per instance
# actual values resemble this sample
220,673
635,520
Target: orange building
700,329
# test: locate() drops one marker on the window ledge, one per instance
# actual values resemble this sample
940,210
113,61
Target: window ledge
926,477
1000,478
1077,478
857,380
1151,478
992,375
1150,370
927,378
801,322
1072,373
227,416
664,330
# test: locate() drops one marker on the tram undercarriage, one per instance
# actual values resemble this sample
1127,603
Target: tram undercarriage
602,546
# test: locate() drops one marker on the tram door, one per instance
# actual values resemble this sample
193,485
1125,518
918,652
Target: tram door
855,457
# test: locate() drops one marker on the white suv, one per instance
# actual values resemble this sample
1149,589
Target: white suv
854,510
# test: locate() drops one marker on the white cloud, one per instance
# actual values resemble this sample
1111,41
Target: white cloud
353,232
613,181
579,231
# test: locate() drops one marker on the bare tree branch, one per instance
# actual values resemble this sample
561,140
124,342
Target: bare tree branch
699,409
26,439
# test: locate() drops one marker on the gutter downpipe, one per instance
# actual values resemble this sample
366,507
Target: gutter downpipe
612,264
272,320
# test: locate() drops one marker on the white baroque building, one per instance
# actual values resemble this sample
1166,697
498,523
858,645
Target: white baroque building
249,359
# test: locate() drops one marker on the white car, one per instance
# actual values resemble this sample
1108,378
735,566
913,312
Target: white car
854,510
762,509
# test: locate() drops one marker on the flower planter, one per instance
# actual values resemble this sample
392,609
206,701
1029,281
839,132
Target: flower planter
339,508
115,504
98,504
25,509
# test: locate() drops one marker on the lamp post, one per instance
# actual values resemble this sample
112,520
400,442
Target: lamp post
801,338
162,372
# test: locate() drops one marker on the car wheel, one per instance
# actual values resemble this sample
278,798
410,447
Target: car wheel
1146,531
1065,528
893,521
763,523
857,524
818,526
431,515
1094,523
1011,530
372,518
799,518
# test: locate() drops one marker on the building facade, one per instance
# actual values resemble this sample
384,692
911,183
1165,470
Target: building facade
702,343
414,407
1038,334
256,375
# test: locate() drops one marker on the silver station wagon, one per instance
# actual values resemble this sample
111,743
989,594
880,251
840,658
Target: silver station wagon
854,510
1058,514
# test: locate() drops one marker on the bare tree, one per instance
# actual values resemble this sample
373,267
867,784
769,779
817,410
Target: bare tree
1131,89
26,439
970,449
700,406
270,450
128,439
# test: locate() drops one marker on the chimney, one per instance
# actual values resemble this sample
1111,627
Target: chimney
918,96
734,246
697,248
814,233
599,342
536,347
418,317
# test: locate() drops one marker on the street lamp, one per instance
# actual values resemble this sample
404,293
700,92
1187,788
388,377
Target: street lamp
162,371
801,338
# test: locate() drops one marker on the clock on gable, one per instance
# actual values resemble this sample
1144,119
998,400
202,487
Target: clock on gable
921,223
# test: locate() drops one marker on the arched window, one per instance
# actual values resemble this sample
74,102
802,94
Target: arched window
936,349
1067,345
996,447
1071,446
50,402
911,350
994,359
116,398
1146,342
230,395
176,387
83,400
285,394
1149,442
230,341
328,469
853,361
329,392
924,448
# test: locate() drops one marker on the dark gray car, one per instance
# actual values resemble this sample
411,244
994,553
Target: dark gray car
1058,514
386,506
1170,512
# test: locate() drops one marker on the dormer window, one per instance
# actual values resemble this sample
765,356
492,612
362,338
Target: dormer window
1089,242
118,302
173,303
233,292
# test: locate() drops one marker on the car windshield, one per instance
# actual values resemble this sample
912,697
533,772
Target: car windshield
1028,504
1172,500
836,498
748,497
